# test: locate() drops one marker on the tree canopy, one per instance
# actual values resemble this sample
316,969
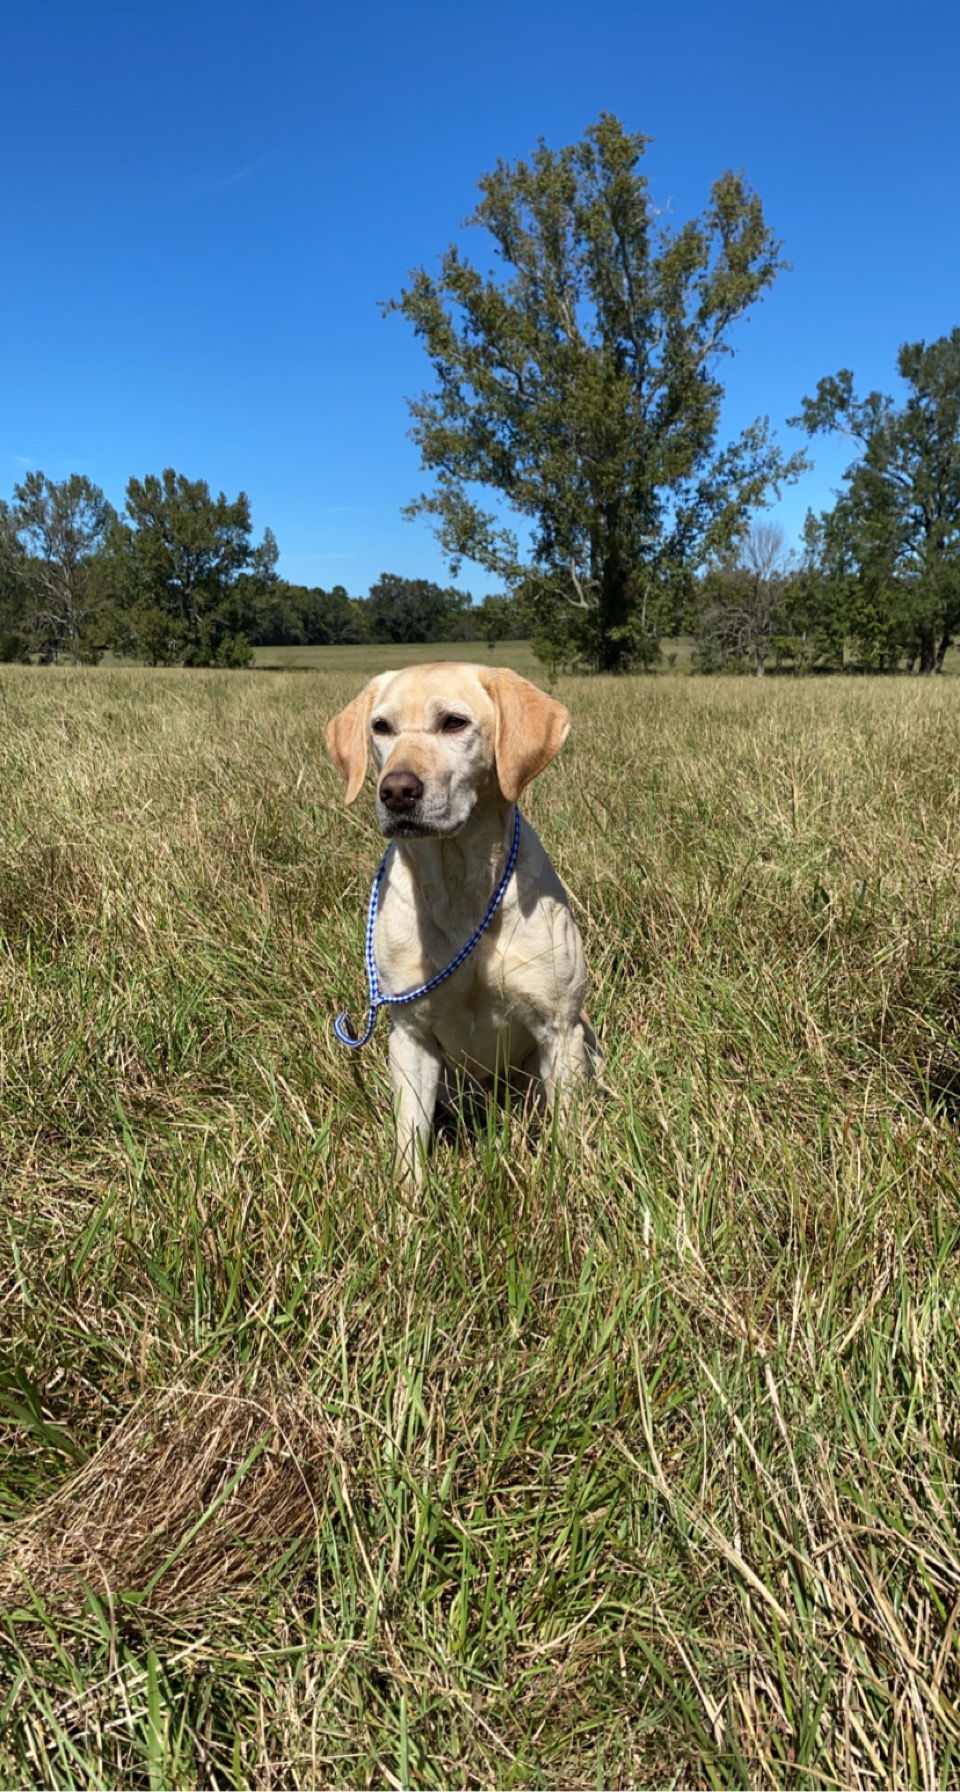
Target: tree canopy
400,609
742,607
579,383
188,570
179,578
899,519
61,527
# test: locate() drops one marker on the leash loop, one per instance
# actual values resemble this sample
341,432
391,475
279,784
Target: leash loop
343,1026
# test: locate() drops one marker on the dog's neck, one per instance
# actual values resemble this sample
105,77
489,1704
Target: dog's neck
442,867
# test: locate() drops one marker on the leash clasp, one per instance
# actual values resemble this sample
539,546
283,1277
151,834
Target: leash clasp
346,1032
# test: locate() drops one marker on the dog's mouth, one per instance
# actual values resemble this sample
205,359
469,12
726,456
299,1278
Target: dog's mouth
413,827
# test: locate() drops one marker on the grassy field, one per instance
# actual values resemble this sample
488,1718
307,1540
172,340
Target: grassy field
360,663
628,1457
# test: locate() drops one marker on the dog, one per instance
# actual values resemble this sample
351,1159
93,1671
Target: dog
454,745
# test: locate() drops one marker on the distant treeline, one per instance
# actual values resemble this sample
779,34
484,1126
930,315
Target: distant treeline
178,580
763,608
396,609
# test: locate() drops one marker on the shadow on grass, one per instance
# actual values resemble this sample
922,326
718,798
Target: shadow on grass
938,1087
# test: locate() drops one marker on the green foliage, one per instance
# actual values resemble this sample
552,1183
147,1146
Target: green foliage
899,518
187,573
820,606
62,527
14,644
581,387
499,619
400,609
300,615
178,581
397,609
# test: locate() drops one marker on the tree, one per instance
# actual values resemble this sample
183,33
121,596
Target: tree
278,621
743,598
581,386
416,610
335,618
187,576
302,615
14,642
902,504
845,598
498,619
821,603
63,526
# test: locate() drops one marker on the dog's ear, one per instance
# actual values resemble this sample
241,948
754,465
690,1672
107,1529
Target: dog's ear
530,728
347,738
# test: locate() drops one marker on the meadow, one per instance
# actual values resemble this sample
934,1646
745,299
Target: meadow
627,1454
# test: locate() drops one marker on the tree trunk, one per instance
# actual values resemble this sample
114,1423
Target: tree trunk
946,640
928,652
613,655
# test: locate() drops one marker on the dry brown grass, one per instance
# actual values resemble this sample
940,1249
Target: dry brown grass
190,1504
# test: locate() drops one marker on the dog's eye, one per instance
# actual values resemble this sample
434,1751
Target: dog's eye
381,726
454,724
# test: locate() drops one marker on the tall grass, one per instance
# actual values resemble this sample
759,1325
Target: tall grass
627,1456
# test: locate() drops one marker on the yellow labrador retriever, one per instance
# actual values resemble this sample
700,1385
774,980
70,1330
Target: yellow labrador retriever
453,746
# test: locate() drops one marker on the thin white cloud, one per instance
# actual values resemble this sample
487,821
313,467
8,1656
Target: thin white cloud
241,174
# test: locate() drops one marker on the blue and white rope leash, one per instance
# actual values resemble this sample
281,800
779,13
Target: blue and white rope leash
378,999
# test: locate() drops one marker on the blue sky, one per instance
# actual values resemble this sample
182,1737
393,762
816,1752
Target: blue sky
207,201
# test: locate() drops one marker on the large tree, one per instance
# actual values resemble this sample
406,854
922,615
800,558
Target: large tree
901,508
63,526
579,382
846,602
186,573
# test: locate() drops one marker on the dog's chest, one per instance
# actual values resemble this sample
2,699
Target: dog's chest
409,956
477,1015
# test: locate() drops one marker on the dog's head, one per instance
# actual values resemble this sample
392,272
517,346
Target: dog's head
443,737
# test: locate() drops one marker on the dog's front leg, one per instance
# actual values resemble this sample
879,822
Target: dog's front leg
415,1067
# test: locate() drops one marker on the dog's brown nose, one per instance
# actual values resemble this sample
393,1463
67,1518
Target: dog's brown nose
400,790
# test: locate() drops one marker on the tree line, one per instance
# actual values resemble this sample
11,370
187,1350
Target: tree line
178,579
875,585
577,381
